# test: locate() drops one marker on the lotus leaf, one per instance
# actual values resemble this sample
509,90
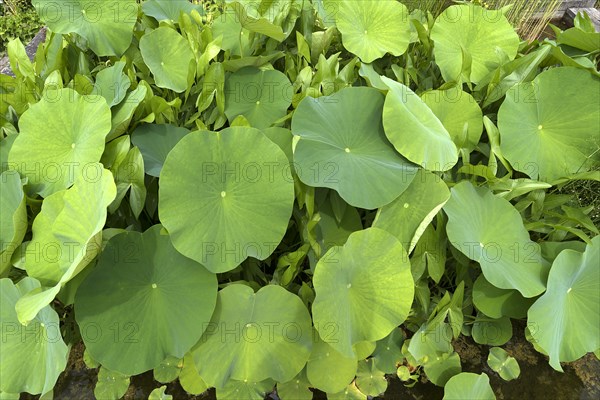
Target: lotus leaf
537,139
169,57
143,302
415,131
255,336
372,28
365,288
472,35
52,162
235,204
468,385
342,146
106,25
571,329
14,217
32,356
262,97
489,230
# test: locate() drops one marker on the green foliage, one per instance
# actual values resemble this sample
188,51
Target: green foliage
505,365
22,24
278,195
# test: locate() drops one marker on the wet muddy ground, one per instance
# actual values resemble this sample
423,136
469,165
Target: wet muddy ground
538,381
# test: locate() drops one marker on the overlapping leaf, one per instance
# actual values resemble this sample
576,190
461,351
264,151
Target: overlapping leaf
158,301
364,288
51,163
537,138
488,229
342,146
571,329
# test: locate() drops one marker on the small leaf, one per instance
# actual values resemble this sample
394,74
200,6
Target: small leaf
159,394
505,365
110,385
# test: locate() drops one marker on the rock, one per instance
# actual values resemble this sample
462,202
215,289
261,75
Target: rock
30,49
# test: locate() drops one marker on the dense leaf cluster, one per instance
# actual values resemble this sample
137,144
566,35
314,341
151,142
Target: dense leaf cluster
294,194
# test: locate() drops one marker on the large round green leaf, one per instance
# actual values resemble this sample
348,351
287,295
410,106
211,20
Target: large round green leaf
254,336
51,162
549,129
567,316
243,390
13,225
262,97
369,379
32,356
471,41
372,28
459,113
296,389
489,230
143,302
106,25
170,10
327,369
155,142
415,131
222,203
468,385
388,353
408,215
364,288
343,147
169,57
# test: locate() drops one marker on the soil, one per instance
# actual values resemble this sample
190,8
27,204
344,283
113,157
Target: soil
538,381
